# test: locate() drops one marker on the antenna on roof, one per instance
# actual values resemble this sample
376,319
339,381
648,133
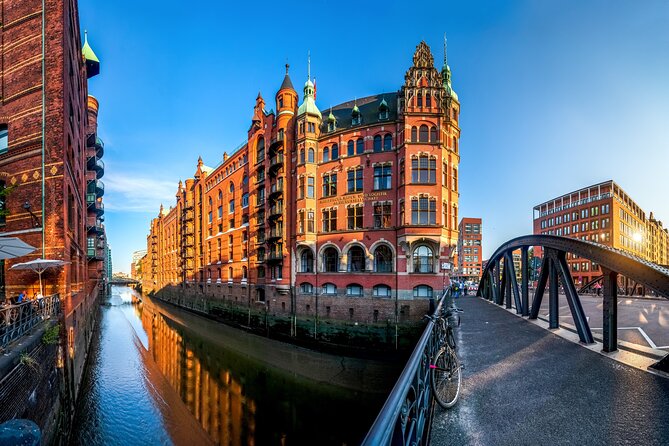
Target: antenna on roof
445,47
308,65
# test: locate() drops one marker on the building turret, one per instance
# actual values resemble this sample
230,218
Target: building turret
286,97
446,75
92,61
308,105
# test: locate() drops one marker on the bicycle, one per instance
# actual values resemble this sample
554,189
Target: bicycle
445,368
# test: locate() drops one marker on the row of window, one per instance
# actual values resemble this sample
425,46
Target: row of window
593,211
356,290
423,260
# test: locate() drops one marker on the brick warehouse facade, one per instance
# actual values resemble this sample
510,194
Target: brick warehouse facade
470,249
347,216
49,160
602,213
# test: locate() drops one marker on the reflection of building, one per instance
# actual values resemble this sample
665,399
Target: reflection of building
135,265
605,214
50,160
360,201
470,250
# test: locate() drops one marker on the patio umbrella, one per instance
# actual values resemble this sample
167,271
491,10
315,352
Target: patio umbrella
11,247
39,266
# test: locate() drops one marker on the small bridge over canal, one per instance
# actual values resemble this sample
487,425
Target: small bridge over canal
535,375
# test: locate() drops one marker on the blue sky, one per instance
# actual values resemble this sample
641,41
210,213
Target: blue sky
555,95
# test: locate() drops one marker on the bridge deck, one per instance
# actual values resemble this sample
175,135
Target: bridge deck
525,385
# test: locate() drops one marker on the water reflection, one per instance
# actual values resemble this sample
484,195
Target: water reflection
199,376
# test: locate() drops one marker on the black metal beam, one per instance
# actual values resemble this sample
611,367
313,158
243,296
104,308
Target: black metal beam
524,287
541,287
577,313
610,311
503,287
553,302
513,284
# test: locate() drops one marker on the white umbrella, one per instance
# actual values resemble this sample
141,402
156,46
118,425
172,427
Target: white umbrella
39,266
11,247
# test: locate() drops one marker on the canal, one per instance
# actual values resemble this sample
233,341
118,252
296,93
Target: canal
157,374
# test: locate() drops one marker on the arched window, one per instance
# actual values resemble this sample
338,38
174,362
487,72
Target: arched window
310,156
307,261
245,180
329,288
335,151
354,290
378,143
433,134
356,259
351,148
306,288
455,144
422,134
381,291
260,149
423,259
245,273
388,142
428,100
302,156
232,187
330,260
220,195
414,134
383,259
420,99
422,292
360,146
230,274
326,154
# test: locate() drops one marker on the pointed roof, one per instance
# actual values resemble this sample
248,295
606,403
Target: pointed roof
92,61
287,84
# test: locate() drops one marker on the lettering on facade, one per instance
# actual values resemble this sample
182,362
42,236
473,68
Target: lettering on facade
355,198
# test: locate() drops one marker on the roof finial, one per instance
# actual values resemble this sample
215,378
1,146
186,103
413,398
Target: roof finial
308,65
445,52
287,66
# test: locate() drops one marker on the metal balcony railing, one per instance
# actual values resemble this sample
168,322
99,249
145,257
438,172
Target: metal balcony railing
17,320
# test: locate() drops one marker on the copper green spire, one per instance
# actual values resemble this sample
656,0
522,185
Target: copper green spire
446,73
92,61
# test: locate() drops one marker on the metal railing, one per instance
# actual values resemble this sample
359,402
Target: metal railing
16,320
405,417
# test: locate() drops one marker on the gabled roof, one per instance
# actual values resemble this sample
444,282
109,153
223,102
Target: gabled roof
368,108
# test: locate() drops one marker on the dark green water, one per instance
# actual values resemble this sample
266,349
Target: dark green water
160,375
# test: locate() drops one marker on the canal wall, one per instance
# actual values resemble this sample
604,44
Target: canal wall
336,324
31,383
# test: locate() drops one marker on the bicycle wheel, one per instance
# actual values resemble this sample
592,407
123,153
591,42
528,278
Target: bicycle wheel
446,376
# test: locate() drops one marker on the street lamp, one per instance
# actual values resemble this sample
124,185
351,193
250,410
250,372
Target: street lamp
27,207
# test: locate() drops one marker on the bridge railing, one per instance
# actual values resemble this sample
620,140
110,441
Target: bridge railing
405,416
17,320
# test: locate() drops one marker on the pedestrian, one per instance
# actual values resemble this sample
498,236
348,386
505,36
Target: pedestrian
22,296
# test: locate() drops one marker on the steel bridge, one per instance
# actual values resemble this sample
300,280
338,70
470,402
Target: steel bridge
408,414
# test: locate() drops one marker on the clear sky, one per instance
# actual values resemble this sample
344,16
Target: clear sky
555,95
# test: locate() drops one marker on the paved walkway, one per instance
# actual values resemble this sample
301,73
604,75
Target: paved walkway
523,385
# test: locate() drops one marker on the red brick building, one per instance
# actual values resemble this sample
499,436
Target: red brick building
319,209
470,249
47,140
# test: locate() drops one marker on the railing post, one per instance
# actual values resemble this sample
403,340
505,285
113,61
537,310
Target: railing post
524,285
610,311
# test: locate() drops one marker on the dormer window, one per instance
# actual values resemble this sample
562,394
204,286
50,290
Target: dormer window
356,120
383,114
332,126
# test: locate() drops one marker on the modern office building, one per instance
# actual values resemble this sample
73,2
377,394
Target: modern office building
470,249
359,200
602,213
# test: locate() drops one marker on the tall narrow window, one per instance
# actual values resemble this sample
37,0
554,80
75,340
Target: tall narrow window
382,217
329,185
310,155
310,187
326,154
330,260
414,134
356,259
355,180
260,150
382,177
378,143
383,259
329,220
433,134
422,134
4,138
387,142
354,216
310,221
335,151
360,146
423,259
350,148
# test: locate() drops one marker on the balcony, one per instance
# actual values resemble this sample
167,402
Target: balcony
275,233
94,204
276,188
95,164
276,161
276,141
274,256
188,205
188,215
96,187
95,254
189,230
189,241
94,225
276,211
99,148
189,253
